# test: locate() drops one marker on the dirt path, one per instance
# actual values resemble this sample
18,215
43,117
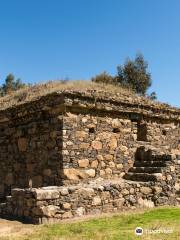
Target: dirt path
14,228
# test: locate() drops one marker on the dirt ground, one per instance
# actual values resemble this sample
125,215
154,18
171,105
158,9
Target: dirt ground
14,228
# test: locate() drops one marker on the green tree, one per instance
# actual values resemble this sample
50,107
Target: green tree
11,85
134,74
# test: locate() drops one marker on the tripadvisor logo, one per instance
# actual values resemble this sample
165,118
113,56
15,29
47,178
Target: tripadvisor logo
138,231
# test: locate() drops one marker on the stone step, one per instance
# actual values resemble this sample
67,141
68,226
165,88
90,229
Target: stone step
141,177
146,169
156,159
149,164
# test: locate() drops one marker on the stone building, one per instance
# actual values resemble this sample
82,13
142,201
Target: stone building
71,153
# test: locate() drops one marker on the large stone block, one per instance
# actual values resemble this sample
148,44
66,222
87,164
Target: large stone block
45,194
83,163
74,174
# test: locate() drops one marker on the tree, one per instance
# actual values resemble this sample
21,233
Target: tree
134,74
103,77
153,96
11,85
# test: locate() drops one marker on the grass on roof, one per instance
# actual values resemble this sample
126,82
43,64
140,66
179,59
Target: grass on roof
36,91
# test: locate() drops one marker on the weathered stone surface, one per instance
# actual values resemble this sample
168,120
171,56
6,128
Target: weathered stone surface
144,203
94,164
112,144
74,174
96,201
81,134
50,211
146,190
64,191
71,139
90,172
83,163
80,211
158,189
97,145
66,206
67,215
41,194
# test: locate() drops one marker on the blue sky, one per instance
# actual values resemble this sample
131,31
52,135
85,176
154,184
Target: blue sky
52,39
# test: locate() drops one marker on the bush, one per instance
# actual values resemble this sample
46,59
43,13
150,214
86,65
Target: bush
103,77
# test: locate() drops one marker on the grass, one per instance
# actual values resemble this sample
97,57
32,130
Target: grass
34,92
118,227
38,90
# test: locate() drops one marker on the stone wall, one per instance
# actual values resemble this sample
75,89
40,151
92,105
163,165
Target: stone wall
70,139
53,204
30,153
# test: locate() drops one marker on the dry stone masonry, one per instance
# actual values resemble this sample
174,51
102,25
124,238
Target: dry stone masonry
74,153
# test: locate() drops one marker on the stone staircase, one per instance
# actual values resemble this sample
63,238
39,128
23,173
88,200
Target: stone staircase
148,166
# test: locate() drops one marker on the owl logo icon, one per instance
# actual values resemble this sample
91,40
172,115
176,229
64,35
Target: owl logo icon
139,231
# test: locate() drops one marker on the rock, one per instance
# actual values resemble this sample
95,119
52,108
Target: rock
64,191
41,194
90,172
112,144
124,192
50,211
81,135
83,163
111,164
80,211
169,177
66,206
69,143
96,201
132,190
119,202
67,215
84,145
159,176
102,173
144,203
158,189
86,192
108,157
94,164
146,190
132,199
108,171
116,123
100,157
74,174
123,148
119,166
177,186
172,168
97,145
22,144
